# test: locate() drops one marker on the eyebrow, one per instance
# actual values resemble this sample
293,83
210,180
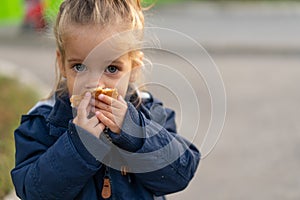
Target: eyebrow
117,62
74,60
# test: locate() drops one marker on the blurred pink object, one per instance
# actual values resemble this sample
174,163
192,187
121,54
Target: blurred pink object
34,19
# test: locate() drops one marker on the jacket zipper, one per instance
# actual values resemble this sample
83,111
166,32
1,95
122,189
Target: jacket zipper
106,188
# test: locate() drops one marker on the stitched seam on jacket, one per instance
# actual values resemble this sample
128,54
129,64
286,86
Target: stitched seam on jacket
35,182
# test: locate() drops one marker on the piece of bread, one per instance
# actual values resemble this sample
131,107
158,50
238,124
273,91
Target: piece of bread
76,99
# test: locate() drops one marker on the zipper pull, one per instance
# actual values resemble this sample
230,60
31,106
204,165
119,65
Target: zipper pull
106,189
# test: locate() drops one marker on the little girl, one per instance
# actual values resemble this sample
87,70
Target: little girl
54,161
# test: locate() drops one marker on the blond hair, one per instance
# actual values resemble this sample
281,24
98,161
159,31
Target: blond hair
127,14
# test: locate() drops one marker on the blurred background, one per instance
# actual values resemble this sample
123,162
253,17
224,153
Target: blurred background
256,46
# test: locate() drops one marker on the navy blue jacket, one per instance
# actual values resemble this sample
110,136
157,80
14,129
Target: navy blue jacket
53,162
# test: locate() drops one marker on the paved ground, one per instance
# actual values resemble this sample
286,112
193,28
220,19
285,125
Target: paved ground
257,51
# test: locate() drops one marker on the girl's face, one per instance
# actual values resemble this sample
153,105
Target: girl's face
88,65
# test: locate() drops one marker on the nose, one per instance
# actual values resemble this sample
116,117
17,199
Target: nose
101,84
95,81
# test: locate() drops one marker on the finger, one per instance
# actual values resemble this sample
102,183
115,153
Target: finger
109,115
82,108
98,129
89,109
111,102
106,99
93,102
101,127
121,99
105,120
102,106
93,122
119,103
117,121
112,116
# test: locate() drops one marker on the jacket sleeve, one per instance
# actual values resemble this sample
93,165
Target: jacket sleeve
163,161
48,167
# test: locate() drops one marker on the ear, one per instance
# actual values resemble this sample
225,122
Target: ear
60,63
137,63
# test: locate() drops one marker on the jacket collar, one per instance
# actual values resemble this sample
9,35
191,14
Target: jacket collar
62,112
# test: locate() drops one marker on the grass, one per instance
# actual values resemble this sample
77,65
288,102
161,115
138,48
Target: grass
15,99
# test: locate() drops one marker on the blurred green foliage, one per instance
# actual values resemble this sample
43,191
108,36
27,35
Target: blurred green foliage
223,1
11,11
15,99
52,7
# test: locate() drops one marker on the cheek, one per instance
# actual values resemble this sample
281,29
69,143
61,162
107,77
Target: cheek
75,85
122,85
70,87
122,91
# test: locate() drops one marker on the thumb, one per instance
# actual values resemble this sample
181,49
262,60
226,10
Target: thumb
82,108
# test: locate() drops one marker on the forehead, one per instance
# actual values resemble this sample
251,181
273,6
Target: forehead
89,42
84,37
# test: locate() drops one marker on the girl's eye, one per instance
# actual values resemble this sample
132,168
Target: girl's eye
111,69
79,68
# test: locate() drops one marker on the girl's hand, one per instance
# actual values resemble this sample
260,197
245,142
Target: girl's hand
110,111
92,125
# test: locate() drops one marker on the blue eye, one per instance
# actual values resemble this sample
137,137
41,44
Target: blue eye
111,69
79,68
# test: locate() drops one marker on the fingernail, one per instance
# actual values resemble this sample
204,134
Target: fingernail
101,96
87,94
